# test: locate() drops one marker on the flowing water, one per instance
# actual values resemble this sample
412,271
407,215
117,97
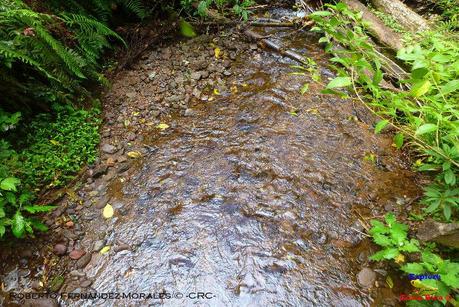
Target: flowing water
255,200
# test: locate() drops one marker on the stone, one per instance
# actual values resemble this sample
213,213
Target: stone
83,261
442,233
85,283
36,285
77,254
108,148
189,112
60,249
41,302
110,162
99,171
98,245
69,224
366,277
121,247
196,75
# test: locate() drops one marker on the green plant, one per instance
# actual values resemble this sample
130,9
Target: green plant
13,202
424,110
45,57
239,7
54,149
393,237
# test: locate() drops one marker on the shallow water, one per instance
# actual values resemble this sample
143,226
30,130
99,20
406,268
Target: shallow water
255,199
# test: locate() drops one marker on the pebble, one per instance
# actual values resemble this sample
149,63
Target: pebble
83,261
77,254
366,277
121,247
40,302
86,283
98,245
60,249
108,148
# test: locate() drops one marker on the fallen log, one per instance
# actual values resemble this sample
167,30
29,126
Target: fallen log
377,28
405,16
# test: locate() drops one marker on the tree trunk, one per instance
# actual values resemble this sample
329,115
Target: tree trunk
406,17
378,29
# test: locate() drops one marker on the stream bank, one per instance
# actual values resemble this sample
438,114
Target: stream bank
240,187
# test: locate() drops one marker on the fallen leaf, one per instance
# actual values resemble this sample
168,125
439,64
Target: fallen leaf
389,282
217,52
54,142
105,250
162,126
134,154
216,92
108,211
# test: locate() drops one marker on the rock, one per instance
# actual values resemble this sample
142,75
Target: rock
98,245
69,224
36,285
130,94
152,76
366,277
101,203
108,148
86,283
121,247
77,273
83,261
189,112
41,302
442,233
60,249
77,254
196,75
110,162
99,171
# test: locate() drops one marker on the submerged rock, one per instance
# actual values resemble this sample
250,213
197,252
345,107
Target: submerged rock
366,277
445,234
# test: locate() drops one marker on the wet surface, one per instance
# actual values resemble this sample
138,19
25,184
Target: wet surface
256,197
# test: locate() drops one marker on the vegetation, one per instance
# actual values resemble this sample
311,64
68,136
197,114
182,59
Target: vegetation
424,111
239,7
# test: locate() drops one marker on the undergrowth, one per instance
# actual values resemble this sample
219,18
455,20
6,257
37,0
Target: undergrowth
423,109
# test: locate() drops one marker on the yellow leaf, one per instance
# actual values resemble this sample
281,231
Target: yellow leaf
105,250
234,89
136,113
389,282
134,154
162,126
108,211
54,142
217,52
216,92
399,259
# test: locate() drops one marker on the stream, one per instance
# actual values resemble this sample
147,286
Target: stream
256,195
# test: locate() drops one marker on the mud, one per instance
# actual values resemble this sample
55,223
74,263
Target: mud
254,194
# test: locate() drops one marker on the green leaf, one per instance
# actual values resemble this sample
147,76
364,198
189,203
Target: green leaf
186,29
36,209
380,125
2,230
381,240
9,184
398,140
36,224
304,89
450,177
421,88
426,128
2,213
18,225
413,268
339,82
447,212
450,87
320,14
389,253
